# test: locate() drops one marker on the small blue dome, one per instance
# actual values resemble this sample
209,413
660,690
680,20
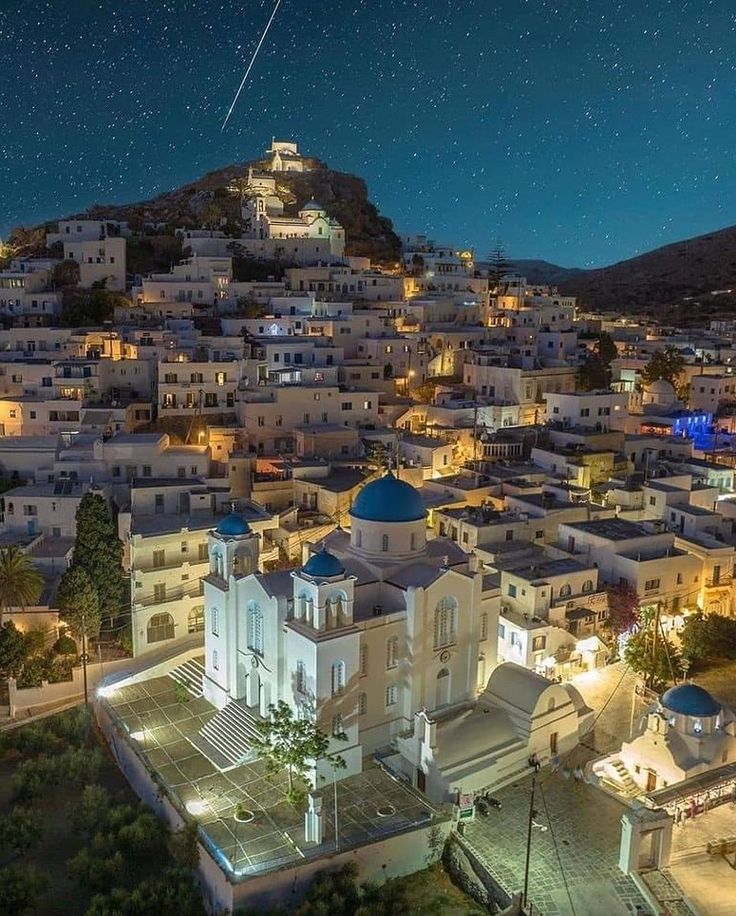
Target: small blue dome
690,700
233,526
312,205
324,565
388,500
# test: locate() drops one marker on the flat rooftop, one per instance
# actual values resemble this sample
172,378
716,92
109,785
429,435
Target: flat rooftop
613,529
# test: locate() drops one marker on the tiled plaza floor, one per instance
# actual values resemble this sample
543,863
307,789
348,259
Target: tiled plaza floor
158,725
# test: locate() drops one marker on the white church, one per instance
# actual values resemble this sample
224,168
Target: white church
386,637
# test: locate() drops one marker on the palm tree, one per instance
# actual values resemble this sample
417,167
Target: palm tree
21,583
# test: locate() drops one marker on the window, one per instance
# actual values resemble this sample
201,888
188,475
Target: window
202,552
195,621
539,643
445,622
501,631
512,590
384,543
363,661
337,728
160,627
215,662
362,704
679,578
255,627
483,627
392,652
509,535
392,695
215,622
159,592
588,586
651,584
301,677
338,678
159,558
146,470
565,591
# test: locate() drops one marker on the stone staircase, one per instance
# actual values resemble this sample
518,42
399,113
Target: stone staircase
227,738
625,778
190,676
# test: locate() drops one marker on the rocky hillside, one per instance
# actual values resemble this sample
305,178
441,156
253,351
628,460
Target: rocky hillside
206,201
544,272
668,278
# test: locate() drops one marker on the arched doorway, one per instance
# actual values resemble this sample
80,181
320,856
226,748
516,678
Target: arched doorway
442,689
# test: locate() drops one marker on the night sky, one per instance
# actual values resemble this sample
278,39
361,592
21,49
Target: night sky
581,131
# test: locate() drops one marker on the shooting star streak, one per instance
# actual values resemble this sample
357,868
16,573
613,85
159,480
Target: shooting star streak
250,65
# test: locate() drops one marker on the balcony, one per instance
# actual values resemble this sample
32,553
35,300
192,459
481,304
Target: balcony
719,582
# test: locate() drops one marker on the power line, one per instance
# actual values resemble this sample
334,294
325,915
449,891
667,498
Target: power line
557,849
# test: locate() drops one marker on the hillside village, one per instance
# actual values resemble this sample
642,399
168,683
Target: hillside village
406,496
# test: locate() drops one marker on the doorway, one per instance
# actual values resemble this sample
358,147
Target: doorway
421,780
442,691
651,781
553,743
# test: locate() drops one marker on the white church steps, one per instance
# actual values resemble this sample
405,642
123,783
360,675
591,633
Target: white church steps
625,778
189,675
230,734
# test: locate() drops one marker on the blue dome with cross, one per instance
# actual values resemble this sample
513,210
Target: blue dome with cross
233,526
690,700
388,500
323,565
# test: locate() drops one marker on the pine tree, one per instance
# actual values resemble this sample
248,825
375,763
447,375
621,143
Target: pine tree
99,552
78,603
498,268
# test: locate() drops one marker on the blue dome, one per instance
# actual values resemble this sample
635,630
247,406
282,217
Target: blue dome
311,205
324,565
690,700
388,500
233,526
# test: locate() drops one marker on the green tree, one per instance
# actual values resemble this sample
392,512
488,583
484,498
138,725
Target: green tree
498,268
706,637
20,829
13,650
623,608
290,744
657,666
78,603
99,552
21,887
21,583
667,364
593,374
606,348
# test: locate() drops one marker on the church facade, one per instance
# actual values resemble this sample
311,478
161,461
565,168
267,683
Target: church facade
377,625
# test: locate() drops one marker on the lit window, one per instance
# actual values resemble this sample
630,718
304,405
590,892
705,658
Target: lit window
255,628
392,652
445,622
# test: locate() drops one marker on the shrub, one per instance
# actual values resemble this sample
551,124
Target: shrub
20,829
64,645
92,810
20,889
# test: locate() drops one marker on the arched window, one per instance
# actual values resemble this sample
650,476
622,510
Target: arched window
301,677
392,652
196,619
338,678
551,705
160,627
384,543
445,622
255,627
215,615
565,591
362,704
588,585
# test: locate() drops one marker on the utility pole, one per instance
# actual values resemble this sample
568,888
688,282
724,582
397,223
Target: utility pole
525,897
84,657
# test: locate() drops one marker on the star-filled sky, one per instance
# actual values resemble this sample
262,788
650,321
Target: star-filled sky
580,131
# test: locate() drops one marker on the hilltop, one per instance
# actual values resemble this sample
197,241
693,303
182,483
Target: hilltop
205,201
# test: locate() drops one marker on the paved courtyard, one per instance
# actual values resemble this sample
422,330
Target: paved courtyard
370,805
580,846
